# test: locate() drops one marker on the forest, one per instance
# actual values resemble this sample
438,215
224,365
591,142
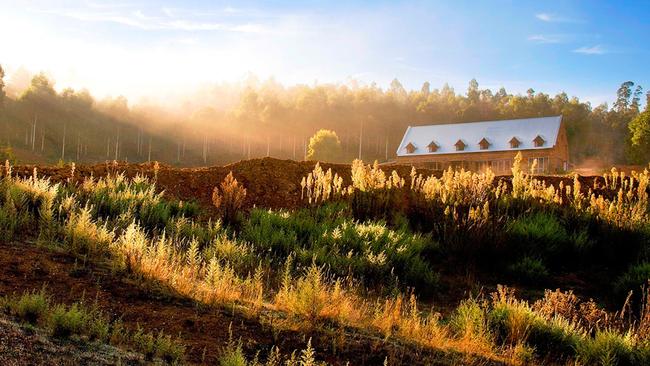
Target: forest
225,123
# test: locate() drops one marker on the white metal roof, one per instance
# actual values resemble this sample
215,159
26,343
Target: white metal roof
498,133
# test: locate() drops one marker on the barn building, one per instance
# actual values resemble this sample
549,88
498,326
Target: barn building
494,144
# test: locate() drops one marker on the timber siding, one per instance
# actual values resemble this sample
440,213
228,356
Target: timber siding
550,159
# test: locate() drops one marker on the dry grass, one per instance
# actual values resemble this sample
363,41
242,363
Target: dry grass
503,329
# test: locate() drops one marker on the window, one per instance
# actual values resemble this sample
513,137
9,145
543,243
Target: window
410,148
501,166
433,147
484,144
460,145
514,143
539,141
434,165
542,165
482,165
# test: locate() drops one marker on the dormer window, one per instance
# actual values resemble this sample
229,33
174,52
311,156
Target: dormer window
433,147
460,145
410,148
484,144
538,141
514,143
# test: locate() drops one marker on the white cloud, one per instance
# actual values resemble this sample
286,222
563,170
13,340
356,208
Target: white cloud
593,50
554,18
546,38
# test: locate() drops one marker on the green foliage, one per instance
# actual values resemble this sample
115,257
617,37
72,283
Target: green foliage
68,321
543,234
324,146
265,112
529,270
6,152
608,348
160,345
89,323
31,307
369,251
633,279
233,355
469,321
640,138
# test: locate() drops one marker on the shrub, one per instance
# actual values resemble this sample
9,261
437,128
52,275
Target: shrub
233,355
632,280
529,270
314,298
30,307
607,348
543,234
144,343
229,198
469,323
167,349
68,321
371,252
555,337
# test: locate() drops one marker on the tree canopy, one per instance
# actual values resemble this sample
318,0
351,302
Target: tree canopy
229,122
640,138
324,146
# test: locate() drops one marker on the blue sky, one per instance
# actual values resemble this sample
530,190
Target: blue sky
146,48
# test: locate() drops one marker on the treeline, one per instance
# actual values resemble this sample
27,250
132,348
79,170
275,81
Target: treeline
232,122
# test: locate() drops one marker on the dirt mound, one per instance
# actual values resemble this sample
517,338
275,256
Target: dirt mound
270,182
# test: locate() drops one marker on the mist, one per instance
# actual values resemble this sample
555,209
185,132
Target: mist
225,122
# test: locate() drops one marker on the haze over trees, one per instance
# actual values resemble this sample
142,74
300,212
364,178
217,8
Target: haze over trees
230,122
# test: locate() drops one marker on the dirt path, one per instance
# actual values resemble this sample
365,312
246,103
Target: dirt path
204,331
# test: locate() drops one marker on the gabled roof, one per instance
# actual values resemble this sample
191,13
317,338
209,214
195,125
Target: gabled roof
498,133
410,147
460,143
433,147
484,142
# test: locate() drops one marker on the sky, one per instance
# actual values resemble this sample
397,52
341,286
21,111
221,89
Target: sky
152,48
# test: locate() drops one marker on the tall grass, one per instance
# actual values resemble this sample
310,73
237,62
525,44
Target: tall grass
126,219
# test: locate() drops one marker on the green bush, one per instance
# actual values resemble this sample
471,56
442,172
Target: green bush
544,235
632,280
167,349
370,251
608,348
469,321
514,323
68,321
529,270
554,337
31,307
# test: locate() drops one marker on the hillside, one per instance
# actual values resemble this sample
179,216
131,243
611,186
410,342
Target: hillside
358,264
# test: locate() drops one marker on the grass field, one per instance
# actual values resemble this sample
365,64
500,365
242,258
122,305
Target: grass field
362,264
